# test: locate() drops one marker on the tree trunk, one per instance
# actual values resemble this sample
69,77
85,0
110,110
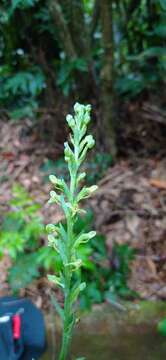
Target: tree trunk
78,29
107,77
75,41
65,38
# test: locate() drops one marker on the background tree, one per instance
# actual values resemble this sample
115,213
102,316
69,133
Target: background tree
87,50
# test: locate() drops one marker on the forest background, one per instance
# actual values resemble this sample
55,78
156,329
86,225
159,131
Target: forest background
112,55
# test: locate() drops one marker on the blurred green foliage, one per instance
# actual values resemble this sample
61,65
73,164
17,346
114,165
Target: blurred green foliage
33,59
106,275
141,59
21,229
161,327
94,167
22,89
20,238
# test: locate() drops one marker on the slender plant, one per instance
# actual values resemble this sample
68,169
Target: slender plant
63,239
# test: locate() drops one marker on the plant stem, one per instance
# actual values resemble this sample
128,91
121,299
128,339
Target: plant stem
69,319
67,330
63,239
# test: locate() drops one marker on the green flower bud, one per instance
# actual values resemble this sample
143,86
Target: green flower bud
77,107
70,121
86,119
88,108
83,238
56,280
58,183
91,234
50,228
90,141
53,179
92,188
81,177
54,197
86,192
51,240
92,144
68,152
76,264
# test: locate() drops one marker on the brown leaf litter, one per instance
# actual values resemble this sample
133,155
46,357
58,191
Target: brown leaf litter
129,206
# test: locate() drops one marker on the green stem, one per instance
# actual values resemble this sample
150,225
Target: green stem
67,329
69,317
68,198
69,320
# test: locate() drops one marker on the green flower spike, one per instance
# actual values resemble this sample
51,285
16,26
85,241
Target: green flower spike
62,239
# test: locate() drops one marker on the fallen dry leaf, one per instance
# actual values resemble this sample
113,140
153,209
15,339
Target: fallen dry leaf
159,184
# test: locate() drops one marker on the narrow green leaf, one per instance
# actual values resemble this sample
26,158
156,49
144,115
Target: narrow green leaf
57,307
76,290
56,280
62,232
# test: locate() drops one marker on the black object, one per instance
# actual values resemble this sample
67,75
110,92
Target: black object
31,343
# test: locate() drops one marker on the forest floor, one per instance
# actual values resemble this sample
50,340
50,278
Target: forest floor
129,206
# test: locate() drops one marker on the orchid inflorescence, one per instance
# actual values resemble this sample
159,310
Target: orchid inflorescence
63,239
